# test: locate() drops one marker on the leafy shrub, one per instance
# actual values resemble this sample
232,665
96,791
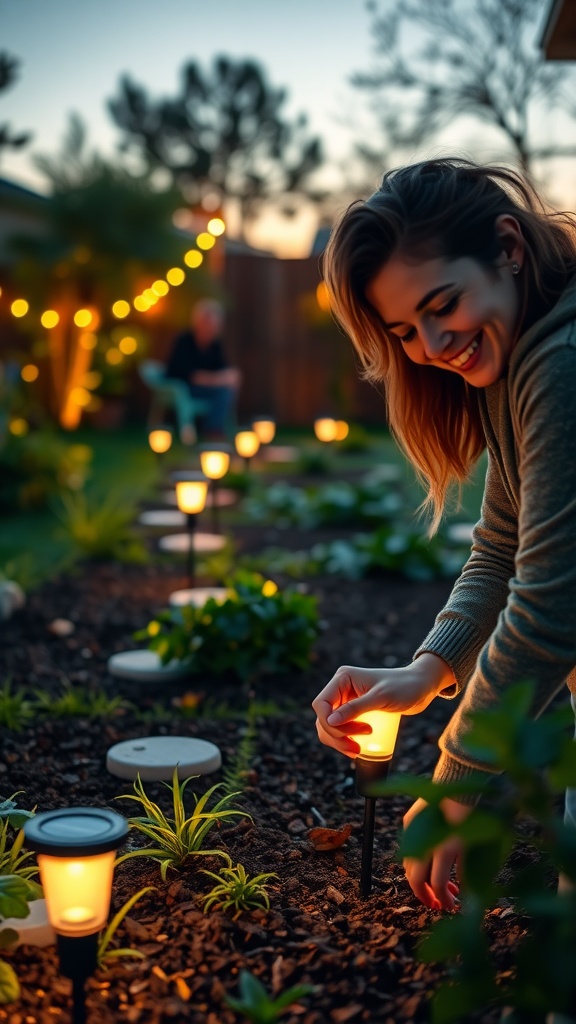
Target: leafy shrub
101,527
38,465
236,890
539,758
257,629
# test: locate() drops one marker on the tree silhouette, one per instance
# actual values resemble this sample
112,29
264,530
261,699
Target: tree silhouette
224,133
440,60
8,72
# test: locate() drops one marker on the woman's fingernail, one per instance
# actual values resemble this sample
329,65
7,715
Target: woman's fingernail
333,719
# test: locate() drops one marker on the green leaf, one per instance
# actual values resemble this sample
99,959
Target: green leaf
14,896
8,937
9,985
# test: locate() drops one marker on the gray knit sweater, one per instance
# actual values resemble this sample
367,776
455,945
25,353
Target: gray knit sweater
511,615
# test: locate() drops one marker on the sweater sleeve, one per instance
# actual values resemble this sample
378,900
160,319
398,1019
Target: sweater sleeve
535,634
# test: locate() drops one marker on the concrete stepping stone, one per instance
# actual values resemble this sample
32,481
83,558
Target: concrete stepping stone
34,930
154,758
144,666
162,517
197,596
203,542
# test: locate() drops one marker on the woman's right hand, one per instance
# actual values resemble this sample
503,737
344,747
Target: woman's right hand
353,690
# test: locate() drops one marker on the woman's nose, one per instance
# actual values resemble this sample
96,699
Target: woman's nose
435,340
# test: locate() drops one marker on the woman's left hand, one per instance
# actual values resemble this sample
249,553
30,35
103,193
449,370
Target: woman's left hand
430,879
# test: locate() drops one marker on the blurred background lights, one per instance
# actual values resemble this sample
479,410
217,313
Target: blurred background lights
113,356
160,288
193,258
91,380
19,307
175,276
82,318
88,340
121,308
49,318
18,426
141,304
205,240
342,430
80,396
322,297
269,588
150,297
29,373
128,345
216,226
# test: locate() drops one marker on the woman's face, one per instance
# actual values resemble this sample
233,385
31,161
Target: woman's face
453,314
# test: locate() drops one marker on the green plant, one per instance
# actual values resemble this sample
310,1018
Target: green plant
235,889
16,710
15,895
106,955
38,465
76,702
539,758
257,1006
101,527
180,837
236,772
257,629
13,857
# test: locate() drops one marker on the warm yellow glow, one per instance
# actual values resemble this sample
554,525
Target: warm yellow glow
160,288
191,495
322,297
18,426
247,443
82,254
214,464
216,226
113,356
205,240
49,319
77,891
379,744
342,430
154,628
121,309
265,429
141,304
175,276
83,318
80,396
325,429
150,297
29,373
193,258
91,380
160,440
88,340
269,589
19,307
128,345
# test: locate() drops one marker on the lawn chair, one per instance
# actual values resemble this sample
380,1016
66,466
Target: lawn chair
170,393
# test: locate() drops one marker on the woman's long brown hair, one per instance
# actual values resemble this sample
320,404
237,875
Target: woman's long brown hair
440,208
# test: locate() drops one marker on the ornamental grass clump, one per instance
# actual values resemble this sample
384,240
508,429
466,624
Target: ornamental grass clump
236,890
257,629
175,839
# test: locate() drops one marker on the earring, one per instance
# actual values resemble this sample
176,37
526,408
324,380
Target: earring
515,268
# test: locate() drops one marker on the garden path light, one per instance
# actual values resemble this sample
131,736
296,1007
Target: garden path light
372,764
247,444
325,428
265,428
191,491
215,462
160,439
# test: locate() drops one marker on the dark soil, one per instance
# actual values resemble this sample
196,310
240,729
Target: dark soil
361,955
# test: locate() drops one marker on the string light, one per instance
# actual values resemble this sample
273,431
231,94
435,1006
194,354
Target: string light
205,240
49,319
83,318
128,345
29,373
175,276
160,288
19,307
216,226
121,308
193,258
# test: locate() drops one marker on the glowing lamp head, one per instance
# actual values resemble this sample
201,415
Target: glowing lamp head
76,849
378,745
325,428
215,460
247,443
191,491
160,439
342,430
265,428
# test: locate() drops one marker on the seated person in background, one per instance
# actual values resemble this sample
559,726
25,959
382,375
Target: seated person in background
198,358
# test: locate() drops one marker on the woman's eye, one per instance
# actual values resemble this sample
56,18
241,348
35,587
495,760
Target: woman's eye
449,306
409,336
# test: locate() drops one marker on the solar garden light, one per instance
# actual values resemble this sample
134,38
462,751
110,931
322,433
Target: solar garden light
372,764
76,848
342,430
191,491
325,428
247,444
215,462
160,439
265,428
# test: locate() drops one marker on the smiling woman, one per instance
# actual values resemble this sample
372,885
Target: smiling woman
458,290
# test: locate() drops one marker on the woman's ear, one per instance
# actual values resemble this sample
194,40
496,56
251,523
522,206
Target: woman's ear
511,239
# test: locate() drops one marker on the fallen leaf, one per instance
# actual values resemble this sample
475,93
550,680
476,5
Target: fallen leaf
329,838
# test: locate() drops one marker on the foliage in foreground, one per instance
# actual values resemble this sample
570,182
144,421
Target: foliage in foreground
17,889
236,890
257,629
179,837
36,466
101,527
257,1006
107,955
18,709
539,759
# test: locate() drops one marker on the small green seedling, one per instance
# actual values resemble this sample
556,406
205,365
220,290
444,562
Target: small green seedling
236,890
16,710
77,702
178,838
257,1006
15,895
106,955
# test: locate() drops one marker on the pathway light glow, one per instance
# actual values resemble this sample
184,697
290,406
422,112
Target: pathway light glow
325,428
160,440
265,428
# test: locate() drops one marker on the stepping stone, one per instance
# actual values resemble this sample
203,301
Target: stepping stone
279,453
162,517
144,666
197,596
154,758
460,533
34,930
224,497
203,542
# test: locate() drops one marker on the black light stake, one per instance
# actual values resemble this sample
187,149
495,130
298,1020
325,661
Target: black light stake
76,849
191,491
215,462
372,764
